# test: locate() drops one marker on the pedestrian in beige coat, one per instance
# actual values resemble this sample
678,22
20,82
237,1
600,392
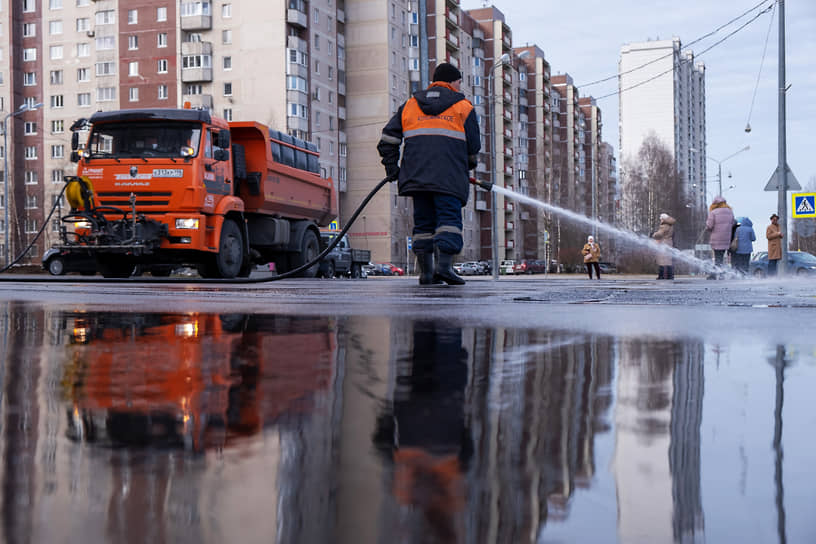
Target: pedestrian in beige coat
665,237
592,257
774,235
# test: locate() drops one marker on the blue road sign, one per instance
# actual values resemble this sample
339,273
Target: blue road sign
804,205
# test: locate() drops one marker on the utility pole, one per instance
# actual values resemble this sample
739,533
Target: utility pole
782,163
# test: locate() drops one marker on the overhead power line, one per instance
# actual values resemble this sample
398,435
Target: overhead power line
697,40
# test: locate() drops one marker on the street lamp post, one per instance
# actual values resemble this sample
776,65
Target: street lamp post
719,167
504,59
22,109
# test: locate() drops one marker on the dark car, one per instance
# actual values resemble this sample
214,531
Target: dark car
800,263
58,262
608,268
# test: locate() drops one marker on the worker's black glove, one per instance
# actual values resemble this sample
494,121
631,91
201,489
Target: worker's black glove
391,172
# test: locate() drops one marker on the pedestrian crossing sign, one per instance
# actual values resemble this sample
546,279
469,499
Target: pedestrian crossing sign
804,205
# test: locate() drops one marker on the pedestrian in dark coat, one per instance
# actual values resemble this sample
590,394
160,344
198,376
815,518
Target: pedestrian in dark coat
665,237
718,223
774,235
441,137
746,237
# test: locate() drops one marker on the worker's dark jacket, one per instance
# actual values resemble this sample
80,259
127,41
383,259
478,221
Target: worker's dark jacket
442,142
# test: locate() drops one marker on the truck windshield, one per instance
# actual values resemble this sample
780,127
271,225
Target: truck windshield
144,140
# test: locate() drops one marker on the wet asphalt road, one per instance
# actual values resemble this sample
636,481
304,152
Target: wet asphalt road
553,409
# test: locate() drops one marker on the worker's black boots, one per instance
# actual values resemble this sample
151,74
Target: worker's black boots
444,270
426,269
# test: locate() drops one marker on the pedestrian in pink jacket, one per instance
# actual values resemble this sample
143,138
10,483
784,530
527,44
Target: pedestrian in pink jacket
718,224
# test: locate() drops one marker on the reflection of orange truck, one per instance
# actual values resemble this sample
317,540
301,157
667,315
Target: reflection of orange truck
197,380
181,187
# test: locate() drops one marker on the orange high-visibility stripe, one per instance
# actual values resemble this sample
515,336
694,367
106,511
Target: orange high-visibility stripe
450,123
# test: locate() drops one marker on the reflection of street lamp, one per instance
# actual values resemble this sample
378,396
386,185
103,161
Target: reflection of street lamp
504,59
22,109
719,166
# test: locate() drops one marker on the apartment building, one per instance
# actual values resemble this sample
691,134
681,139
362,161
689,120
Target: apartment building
662,92
608,184
591,152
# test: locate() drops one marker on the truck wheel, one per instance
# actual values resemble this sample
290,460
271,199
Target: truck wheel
309,249
56,266
229,260
356,271
330,270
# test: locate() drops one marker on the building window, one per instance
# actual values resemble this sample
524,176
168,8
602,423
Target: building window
133,43
227,63
55,4
226,36
29,30
105,43
133,68
55,27
31,200
31,152
57,176
29,54
226,11
106,17
196,61
83,50
29,79
30,128
83,74
195,9
30,101
105,94
161,14
57,151
162,67
331,73
162,39
55,76
227,89
105,68
81,3
133,16
83,24
192,88
56,52
133,94
84,99
30,228
163,92
57,101
317,42
57,126
228,114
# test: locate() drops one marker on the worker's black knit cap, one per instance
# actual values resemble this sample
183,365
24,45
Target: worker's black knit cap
447,72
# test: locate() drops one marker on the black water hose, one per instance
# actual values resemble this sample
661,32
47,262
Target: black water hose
285,275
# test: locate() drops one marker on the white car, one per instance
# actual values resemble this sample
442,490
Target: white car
507,267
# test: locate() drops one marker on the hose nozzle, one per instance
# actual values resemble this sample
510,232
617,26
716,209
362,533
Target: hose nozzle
486,185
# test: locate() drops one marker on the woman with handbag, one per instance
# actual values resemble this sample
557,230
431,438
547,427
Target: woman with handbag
719,222
592,257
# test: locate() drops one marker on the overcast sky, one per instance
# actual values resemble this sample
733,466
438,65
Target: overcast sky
584,39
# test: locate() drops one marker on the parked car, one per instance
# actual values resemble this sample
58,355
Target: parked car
608,268
485,268
800,263
58,262
470,268
507,267
395,270
530,266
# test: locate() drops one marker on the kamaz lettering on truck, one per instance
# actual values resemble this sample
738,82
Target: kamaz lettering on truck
163,188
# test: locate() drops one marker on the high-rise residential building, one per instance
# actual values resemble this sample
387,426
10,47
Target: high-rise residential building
662,92
609,199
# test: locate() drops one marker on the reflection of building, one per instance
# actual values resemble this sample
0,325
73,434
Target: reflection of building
657,441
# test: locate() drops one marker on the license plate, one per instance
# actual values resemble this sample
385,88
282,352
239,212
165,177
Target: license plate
168,173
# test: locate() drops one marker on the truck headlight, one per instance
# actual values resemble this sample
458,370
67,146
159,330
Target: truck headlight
186,223
82,224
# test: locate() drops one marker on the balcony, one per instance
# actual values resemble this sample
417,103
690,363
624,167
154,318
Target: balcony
204,101
508,98
295,69
341,16
453,60
297,18
196,48
523,99
341,113
478,52
508,170
507,41
509,206
509,225
481,205
297,123
508,78
196,22
341,40
194,75
508,134
481,168
509,244
508,115
452,39
293,42
452,16
508,152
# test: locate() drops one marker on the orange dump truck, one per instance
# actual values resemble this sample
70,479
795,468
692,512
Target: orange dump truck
161,188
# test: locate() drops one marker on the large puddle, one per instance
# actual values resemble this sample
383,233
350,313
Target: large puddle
126,427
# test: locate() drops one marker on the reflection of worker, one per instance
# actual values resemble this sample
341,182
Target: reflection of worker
425,433
442,142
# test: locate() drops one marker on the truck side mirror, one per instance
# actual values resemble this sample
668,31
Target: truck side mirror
223,139
74,156
221,155
74,141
